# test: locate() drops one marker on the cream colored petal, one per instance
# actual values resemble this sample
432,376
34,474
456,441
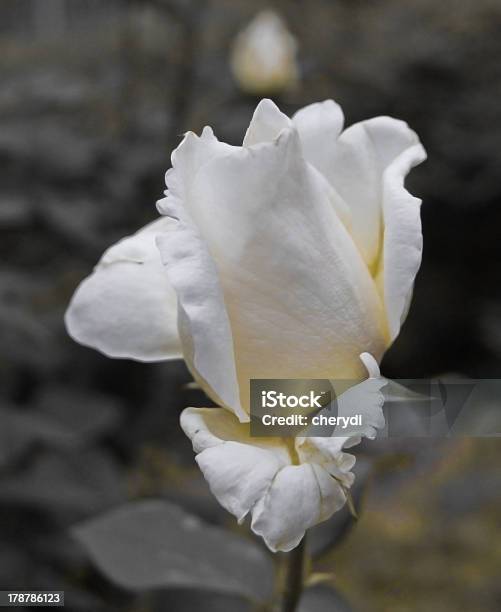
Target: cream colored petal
126,307
300,300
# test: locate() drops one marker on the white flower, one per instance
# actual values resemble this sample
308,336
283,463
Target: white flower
263,58
292,256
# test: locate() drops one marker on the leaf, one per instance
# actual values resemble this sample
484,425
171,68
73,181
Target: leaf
323,599
154,544
19,430
192,493
72,485
81,416
60,420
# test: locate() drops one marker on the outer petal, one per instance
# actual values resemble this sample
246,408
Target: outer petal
403,241
300,301
203,321
300,497
126,307
187,159
319,126
367,167
239,469
266,124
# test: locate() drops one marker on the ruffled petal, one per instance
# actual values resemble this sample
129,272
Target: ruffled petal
239,469
329,454
256,475
300,496
126,307
187,159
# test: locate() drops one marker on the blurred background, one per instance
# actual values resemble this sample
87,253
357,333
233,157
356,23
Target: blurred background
94,96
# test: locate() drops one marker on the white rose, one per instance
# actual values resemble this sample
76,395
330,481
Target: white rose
263,57
293,256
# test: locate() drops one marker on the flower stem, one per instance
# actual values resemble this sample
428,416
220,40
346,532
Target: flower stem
294,577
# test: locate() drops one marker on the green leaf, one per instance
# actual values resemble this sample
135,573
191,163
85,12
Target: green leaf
154,544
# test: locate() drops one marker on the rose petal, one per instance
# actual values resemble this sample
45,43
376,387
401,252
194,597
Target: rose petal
187,159
126,307
300,300
355,167
403,241
239,469
365,166
203,321
300,496
255,475
319,126
266,124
